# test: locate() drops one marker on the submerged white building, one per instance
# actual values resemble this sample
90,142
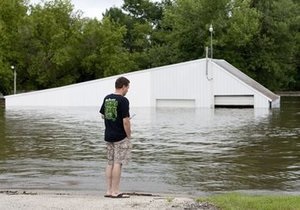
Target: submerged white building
200,83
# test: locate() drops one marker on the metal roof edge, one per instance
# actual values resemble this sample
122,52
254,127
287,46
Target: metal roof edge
246,79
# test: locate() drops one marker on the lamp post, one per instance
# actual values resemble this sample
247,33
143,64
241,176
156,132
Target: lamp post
211,29
15,79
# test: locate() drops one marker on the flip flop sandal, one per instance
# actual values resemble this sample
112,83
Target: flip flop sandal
121,195
107,196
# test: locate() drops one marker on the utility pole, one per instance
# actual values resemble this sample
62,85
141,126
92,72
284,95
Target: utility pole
211,29
15,79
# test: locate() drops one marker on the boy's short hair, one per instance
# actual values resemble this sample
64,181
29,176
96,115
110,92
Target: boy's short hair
121,81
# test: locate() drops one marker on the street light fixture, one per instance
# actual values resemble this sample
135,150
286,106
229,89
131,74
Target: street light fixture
15,79
211,29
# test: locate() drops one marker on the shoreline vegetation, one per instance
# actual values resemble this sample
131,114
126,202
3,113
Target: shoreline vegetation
287,93
50,199
238,201
2,102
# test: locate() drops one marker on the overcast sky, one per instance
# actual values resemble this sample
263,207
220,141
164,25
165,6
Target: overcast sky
92,8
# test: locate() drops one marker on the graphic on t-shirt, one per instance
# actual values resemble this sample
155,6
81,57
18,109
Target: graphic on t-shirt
111,109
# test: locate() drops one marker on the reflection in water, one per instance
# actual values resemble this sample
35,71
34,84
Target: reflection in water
175,150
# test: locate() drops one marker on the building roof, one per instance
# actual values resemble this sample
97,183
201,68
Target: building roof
245,78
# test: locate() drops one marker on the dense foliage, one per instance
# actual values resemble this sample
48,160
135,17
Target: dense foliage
51,44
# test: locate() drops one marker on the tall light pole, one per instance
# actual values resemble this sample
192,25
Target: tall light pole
211,29
15,79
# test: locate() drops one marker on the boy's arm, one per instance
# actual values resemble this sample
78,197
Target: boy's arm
127,126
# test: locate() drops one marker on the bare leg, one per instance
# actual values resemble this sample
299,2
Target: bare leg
116,176
108,174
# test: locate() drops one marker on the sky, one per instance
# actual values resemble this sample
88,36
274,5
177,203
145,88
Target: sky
91,8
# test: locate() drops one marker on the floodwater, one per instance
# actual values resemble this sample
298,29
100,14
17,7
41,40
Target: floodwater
184,151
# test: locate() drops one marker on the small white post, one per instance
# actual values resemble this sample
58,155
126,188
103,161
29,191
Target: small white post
211,29
15,79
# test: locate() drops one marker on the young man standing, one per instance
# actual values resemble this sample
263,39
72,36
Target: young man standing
115,111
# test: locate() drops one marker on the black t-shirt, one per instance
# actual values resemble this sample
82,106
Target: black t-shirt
114,108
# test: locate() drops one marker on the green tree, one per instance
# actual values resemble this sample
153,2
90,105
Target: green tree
51,45
60,48
11,18
47,44
104,54
189,21
142,19
273,54
259,37
6,78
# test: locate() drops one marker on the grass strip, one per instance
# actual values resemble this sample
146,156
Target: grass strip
238,201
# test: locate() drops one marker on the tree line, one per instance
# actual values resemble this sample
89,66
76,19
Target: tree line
51,44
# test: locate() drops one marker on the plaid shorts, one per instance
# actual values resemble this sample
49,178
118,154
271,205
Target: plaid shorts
119,152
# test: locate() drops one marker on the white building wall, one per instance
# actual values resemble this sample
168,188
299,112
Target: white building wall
174,82
190,83
208,85
86,93
227,84
184,81
139,94
83,94
261,102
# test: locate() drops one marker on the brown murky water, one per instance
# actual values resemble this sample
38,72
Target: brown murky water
188,151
